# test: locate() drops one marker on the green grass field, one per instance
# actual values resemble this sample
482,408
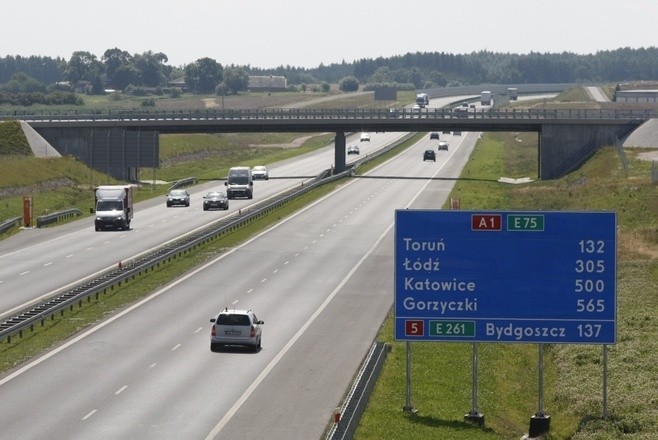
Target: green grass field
441,372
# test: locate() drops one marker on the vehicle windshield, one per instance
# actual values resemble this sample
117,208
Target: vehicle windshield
214,195
177,193
238,180
109,205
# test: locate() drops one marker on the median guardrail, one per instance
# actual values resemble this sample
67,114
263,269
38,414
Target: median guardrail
37,314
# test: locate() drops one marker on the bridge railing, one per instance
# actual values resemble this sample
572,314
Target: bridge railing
327,114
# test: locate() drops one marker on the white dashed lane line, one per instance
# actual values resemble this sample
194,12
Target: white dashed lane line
120,390
89,415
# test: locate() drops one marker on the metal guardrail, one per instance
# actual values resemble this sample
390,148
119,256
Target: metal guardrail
54,217
347,418
321,114
11,326
124,272
10,223
183,182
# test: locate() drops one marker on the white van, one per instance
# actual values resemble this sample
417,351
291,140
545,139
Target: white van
239,183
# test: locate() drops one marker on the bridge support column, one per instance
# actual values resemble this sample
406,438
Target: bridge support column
339,152
563,148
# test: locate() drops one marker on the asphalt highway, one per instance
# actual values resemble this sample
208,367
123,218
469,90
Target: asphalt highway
322,280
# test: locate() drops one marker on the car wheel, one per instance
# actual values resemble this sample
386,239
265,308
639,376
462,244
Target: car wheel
205,208
214,347
168,205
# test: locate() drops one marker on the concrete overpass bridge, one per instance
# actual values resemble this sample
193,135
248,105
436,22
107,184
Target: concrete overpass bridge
116,141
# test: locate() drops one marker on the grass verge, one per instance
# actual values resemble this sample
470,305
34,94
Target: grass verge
441,372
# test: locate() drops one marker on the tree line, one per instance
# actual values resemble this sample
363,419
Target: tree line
148,71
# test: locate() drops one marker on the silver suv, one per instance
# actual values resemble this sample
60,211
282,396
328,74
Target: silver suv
235,327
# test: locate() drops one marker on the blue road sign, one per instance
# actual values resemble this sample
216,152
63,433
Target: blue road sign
533,277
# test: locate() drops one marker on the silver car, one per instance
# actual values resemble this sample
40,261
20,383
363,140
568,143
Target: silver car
235,327
260,172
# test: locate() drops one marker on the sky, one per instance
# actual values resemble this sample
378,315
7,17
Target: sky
272,33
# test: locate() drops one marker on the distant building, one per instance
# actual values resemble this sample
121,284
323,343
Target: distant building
636,96
267,83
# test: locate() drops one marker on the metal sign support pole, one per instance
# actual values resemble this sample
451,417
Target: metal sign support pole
540,423
474,415
408,407
605,381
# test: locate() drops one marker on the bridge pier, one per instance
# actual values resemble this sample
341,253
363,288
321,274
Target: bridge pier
118,152
563,148
339,152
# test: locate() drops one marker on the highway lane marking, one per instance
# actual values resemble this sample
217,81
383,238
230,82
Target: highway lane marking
69,256
287,261
152,366
198,330
48,264
175,347
231,412
24,273
120,390
275,270
211,263
263,280
89,249
89,415
234,409
250,290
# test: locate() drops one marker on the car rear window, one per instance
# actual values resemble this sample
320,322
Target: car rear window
233,319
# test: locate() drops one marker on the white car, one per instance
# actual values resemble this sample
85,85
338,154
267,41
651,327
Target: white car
235,327
365,137
260,172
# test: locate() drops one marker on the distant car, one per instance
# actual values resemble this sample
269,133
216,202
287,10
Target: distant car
353,149
178,197
260,172
365,137
457,133
443,145
434,135
429,155
446,131
215,200
236,327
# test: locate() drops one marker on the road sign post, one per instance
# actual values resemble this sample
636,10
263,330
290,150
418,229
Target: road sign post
519,277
